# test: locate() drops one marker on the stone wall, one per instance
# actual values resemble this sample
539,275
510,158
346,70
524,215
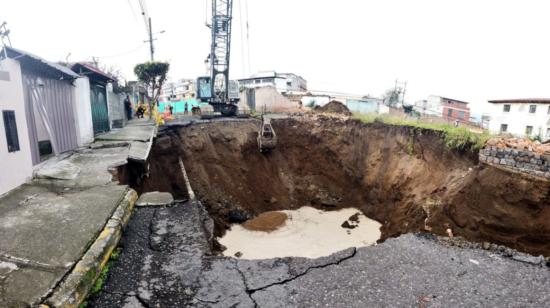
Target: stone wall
523,161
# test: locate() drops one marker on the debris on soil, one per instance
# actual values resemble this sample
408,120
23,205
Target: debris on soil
354,217
334,107
347,225
266,222
520,144
352,222
237,216
238,254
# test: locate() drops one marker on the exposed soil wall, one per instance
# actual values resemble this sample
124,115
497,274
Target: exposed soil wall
405,178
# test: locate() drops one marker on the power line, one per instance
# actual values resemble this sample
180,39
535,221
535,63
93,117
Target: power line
132,9
247,34
242,37
145,15
123,53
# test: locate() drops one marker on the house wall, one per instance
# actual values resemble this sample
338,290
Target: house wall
455,110
431,106
270,100
83,111
16,167
115,103
367,106
519,118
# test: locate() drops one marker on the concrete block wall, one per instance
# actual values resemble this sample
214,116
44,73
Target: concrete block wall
523,161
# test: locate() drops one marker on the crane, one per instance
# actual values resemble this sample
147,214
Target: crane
219,94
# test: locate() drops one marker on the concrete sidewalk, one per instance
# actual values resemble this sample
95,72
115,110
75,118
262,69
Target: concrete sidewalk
51,224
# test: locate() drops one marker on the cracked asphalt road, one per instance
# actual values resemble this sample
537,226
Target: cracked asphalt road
166,261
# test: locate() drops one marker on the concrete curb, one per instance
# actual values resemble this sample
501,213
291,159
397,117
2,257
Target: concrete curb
72,291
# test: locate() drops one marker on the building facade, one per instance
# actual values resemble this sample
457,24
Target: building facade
15,147
521,117
178,90
455,110
283,82
447,108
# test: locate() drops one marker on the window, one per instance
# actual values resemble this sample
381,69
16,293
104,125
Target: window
506,108
461,115
10,126
528,130
532,108
450,113
503,128
548,133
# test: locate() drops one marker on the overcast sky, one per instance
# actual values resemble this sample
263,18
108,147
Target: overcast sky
470,50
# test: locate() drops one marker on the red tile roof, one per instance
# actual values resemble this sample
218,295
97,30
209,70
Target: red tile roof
521,101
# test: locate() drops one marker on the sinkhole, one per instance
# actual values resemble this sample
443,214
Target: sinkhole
324,170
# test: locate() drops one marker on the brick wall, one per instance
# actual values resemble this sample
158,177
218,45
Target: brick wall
521,161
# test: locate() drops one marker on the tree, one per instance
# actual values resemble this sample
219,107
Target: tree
391,97
153,76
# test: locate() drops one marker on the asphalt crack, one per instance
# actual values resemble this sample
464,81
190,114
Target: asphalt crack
285,281
247,291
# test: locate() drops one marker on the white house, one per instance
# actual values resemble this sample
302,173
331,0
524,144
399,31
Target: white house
521,117
283,82
15,147
431,106
44,111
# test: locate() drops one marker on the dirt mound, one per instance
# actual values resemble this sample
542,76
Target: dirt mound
405,178
334,107
266,222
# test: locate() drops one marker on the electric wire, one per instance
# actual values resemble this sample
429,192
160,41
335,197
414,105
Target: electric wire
247,35
243,58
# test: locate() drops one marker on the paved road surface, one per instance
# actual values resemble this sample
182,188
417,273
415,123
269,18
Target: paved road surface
166,262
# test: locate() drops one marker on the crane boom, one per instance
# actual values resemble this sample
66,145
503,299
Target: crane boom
221,46
217,90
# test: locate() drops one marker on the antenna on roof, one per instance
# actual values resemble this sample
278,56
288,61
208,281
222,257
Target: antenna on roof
5,36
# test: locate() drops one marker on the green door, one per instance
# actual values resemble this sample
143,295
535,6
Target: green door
100,115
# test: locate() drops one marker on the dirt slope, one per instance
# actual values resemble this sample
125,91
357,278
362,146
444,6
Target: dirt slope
405,178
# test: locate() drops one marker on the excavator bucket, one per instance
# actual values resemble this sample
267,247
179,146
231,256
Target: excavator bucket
205,111
243,111
267,139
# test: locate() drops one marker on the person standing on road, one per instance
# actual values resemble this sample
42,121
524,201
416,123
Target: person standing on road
185,108
128,107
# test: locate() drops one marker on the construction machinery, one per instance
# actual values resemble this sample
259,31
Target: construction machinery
267,139
219,95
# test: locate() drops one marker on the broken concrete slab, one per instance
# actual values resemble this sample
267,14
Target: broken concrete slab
155,199
141,133
72,291
62,170
43,222
94,168
139,151
38,221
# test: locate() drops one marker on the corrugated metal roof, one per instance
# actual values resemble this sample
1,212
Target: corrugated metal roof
43,65
521,101
92,69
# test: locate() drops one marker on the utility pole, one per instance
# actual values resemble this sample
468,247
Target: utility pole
151,41
4,36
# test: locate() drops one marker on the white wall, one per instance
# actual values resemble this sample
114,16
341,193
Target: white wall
519,117
16,167
83,111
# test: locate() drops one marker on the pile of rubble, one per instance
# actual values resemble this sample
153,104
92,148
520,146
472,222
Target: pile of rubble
520,144
334,107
